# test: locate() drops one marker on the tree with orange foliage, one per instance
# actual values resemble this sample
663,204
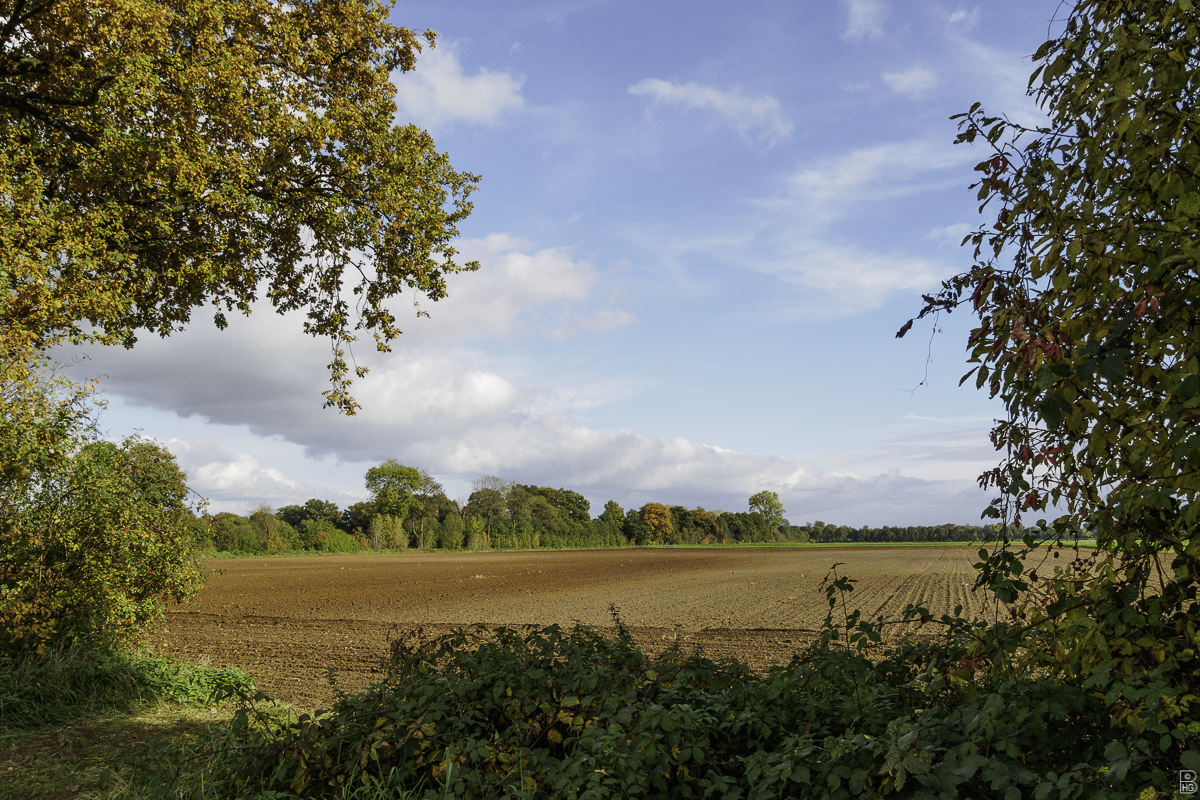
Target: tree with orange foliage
658,519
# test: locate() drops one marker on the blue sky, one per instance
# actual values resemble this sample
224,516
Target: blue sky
699,225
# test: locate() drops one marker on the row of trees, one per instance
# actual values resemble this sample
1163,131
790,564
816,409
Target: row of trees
409,508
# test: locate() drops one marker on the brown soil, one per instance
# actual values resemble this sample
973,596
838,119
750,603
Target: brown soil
288,620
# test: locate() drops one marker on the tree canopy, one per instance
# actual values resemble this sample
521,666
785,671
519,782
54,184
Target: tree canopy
153,472
393,488
572,503
158,157
768,504
657,519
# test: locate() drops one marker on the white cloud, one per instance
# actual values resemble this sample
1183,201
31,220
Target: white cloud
266,374
236,482
963,18
914,82
547,449
853,278
800,240
438,92
950,234
459,420
758,119
864,19
885,171
425,397
810,234
934,454
516,292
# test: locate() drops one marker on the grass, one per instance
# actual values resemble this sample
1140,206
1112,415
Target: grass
67,717
79,725
89,759
68,760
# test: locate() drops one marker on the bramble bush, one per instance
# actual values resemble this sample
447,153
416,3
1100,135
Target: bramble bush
541,712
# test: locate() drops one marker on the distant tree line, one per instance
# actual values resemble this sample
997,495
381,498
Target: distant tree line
409,508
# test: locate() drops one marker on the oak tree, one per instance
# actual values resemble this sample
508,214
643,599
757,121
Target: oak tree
160,157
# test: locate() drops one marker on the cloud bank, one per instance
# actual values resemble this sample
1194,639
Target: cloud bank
437,406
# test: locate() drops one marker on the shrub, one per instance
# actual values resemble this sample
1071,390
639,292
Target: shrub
543,712
341,542
313,534
94,549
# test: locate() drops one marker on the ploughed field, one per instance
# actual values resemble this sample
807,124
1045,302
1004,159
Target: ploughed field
287,620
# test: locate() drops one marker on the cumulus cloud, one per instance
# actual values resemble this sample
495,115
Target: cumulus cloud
864,19
517,291
914,82
237,482
607,463
759,119
438,92
271,375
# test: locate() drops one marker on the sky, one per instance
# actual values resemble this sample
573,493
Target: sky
699,226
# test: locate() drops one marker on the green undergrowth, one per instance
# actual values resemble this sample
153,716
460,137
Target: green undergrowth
67,717
63,686
545,712
69,761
